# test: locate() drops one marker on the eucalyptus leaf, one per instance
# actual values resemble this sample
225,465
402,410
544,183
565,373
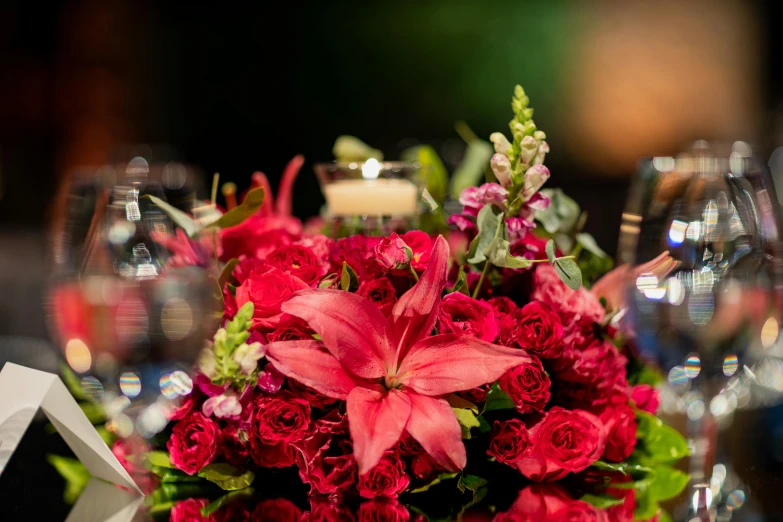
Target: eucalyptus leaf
226,476
226,274
497,399
488,220
181,219
351,148
588,243
550,251
569,273
235,216
349,281
471,169
562,214
498,254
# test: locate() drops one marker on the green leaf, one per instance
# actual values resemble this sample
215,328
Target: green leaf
588,243
226,274
497,399
328,281
550,250
72,382
665,444
93,412
646,505
226,499
235,216
668,483
351,148
498,254
159,458
471,482
562,214
461,285
226,476
484,426
455,401
432,168
569,273
471,169
181,219
437,480
349,281
73,472
602,501
467,420
489,217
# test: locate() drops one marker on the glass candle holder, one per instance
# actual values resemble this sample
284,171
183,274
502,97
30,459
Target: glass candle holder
371,197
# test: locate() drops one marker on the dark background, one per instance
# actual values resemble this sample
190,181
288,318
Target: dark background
236,89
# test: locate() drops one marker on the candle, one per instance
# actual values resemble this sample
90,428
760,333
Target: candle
378,197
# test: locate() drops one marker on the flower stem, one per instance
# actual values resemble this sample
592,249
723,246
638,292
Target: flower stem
413,271
501,224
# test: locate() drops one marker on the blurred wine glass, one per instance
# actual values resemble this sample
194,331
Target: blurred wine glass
129,325
703,301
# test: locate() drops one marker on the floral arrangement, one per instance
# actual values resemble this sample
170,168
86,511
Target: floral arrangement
376,367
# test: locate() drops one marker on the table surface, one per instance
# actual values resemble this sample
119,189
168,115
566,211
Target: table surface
30,488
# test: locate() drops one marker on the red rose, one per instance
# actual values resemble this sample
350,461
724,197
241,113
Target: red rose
527,385
234,445
313,397
409,446
385,479
258,236
538,502
327,510
267,288
573,306
578,511
382,510
290,328
325,456
506,315
464,315
193,443
424,468
620,431
320,245
646,398
275,455
189,511
624,511
563,442
478,394
234,511
276,510
393,254
591,376
280,419
245,267
359,253
508,441
420,244
539,330
297,260
381,292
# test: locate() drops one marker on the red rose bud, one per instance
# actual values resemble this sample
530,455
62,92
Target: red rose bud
620,430
527,385
381,292
539,330
508,441
234,445
646,398
464,315
563,442
385,479
393,254
193,443
424,468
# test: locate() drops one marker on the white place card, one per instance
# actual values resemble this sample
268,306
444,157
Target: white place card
104,502
23,391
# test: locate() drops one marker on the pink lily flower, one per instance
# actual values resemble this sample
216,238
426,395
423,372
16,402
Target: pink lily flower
391,372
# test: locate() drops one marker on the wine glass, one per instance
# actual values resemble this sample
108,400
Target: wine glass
130,326
703,299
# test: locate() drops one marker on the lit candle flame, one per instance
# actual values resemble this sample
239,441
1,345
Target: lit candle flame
371,168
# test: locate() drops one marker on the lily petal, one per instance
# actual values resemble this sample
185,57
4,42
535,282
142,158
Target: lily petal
433,424
447,363
352,329
413,316
286,188
376,419
259,179
305,362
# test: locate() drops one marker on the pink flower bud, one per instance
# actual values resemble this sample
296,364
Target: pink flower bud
529,147
223,406
501,166
543,148
535,177
393,253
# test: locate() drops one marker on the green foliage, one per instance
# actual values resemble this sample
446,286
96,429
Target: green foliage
226,476
497,399
461,285
214,507
471,169
437,480
602,501
350,148
467,420
226,342
569,272
160,459
189,225
74,473
435,174
499,255
250,205
562,215
225,274
72,382
489,221
349,281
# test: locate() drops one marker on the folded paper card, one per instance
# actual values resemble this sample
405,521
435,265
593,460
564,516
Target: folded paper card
23,391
